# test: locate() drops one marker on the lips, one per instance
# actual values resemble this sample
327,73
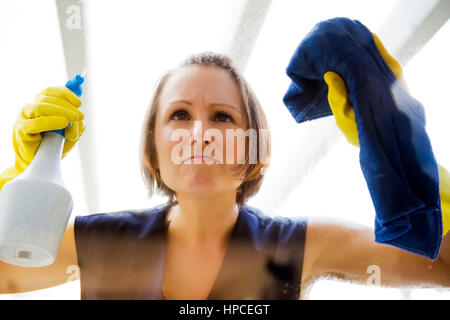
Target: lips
200,159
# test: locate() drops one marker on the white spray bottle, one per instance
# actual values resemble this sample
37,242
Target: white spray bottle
35,207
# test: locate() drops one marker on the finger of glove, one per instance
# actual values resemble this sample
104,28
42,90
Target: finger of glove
444,184
61,92
19,134
68,146
59,102
392,63
72,136
387,57
444,188
341,107
74,132
337,93
41,124
44,109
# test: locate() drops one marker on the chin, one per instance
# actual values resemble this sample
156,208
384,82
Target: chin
199,191
200,184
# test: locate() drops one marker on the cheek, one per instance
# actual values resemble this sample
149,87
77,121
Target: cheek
234,150
165,145
228,149
161,141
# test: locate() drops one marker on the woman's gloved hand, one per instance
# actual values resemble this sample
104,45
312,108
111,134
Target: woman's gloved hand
338,98
444,188
54,108
345,119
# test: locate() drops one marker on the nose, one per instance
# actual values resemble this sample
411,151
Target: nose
198,135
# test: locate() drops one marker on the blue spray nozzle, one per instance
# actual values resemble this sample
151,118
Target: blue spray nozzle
74,85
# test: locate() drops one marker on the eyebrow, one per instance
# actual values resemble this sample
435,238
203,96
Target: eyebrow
212,104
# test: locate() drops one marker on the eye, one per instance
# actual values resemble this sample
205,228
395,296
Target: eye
179,115
218,116
223,117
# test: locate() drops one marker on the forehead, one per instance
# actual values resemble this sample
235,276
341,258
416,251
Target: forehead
211,84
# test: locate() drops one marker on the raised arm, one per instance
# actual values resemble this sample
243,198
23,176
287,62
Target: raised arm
347,251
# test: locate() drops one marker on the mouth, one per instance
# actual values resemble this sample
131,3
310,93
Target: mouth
200,159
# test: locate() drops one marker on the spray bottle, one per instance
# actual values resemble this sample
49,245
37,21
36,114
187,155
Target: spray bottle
35,207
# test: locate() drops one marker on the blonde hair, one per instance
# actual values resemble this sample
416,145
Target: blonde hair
255,119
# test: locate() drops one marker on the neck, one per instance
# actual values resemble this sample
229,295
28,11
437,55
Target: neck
203,220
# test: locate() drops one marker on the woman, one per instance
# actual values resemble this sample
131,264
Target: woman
206,243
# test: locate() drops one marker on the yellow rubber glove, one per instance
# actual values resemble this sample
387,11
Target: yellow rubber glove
444,187
345,120
54,108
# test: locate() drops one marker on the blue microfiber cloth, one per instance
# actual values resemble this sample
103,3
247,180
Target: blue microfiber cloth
396,156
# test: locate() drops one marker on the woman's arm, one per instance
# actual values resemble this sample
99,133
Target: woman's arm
348,251
15,279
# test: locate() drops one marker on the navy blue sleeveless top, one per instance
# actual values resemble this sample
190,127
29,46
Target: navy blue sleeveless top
121,255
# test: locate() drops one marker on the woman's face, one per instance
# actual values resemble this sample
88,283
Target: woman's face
197,106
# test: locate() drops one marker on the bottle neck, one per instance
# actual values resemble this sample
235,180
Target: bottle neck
46,163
